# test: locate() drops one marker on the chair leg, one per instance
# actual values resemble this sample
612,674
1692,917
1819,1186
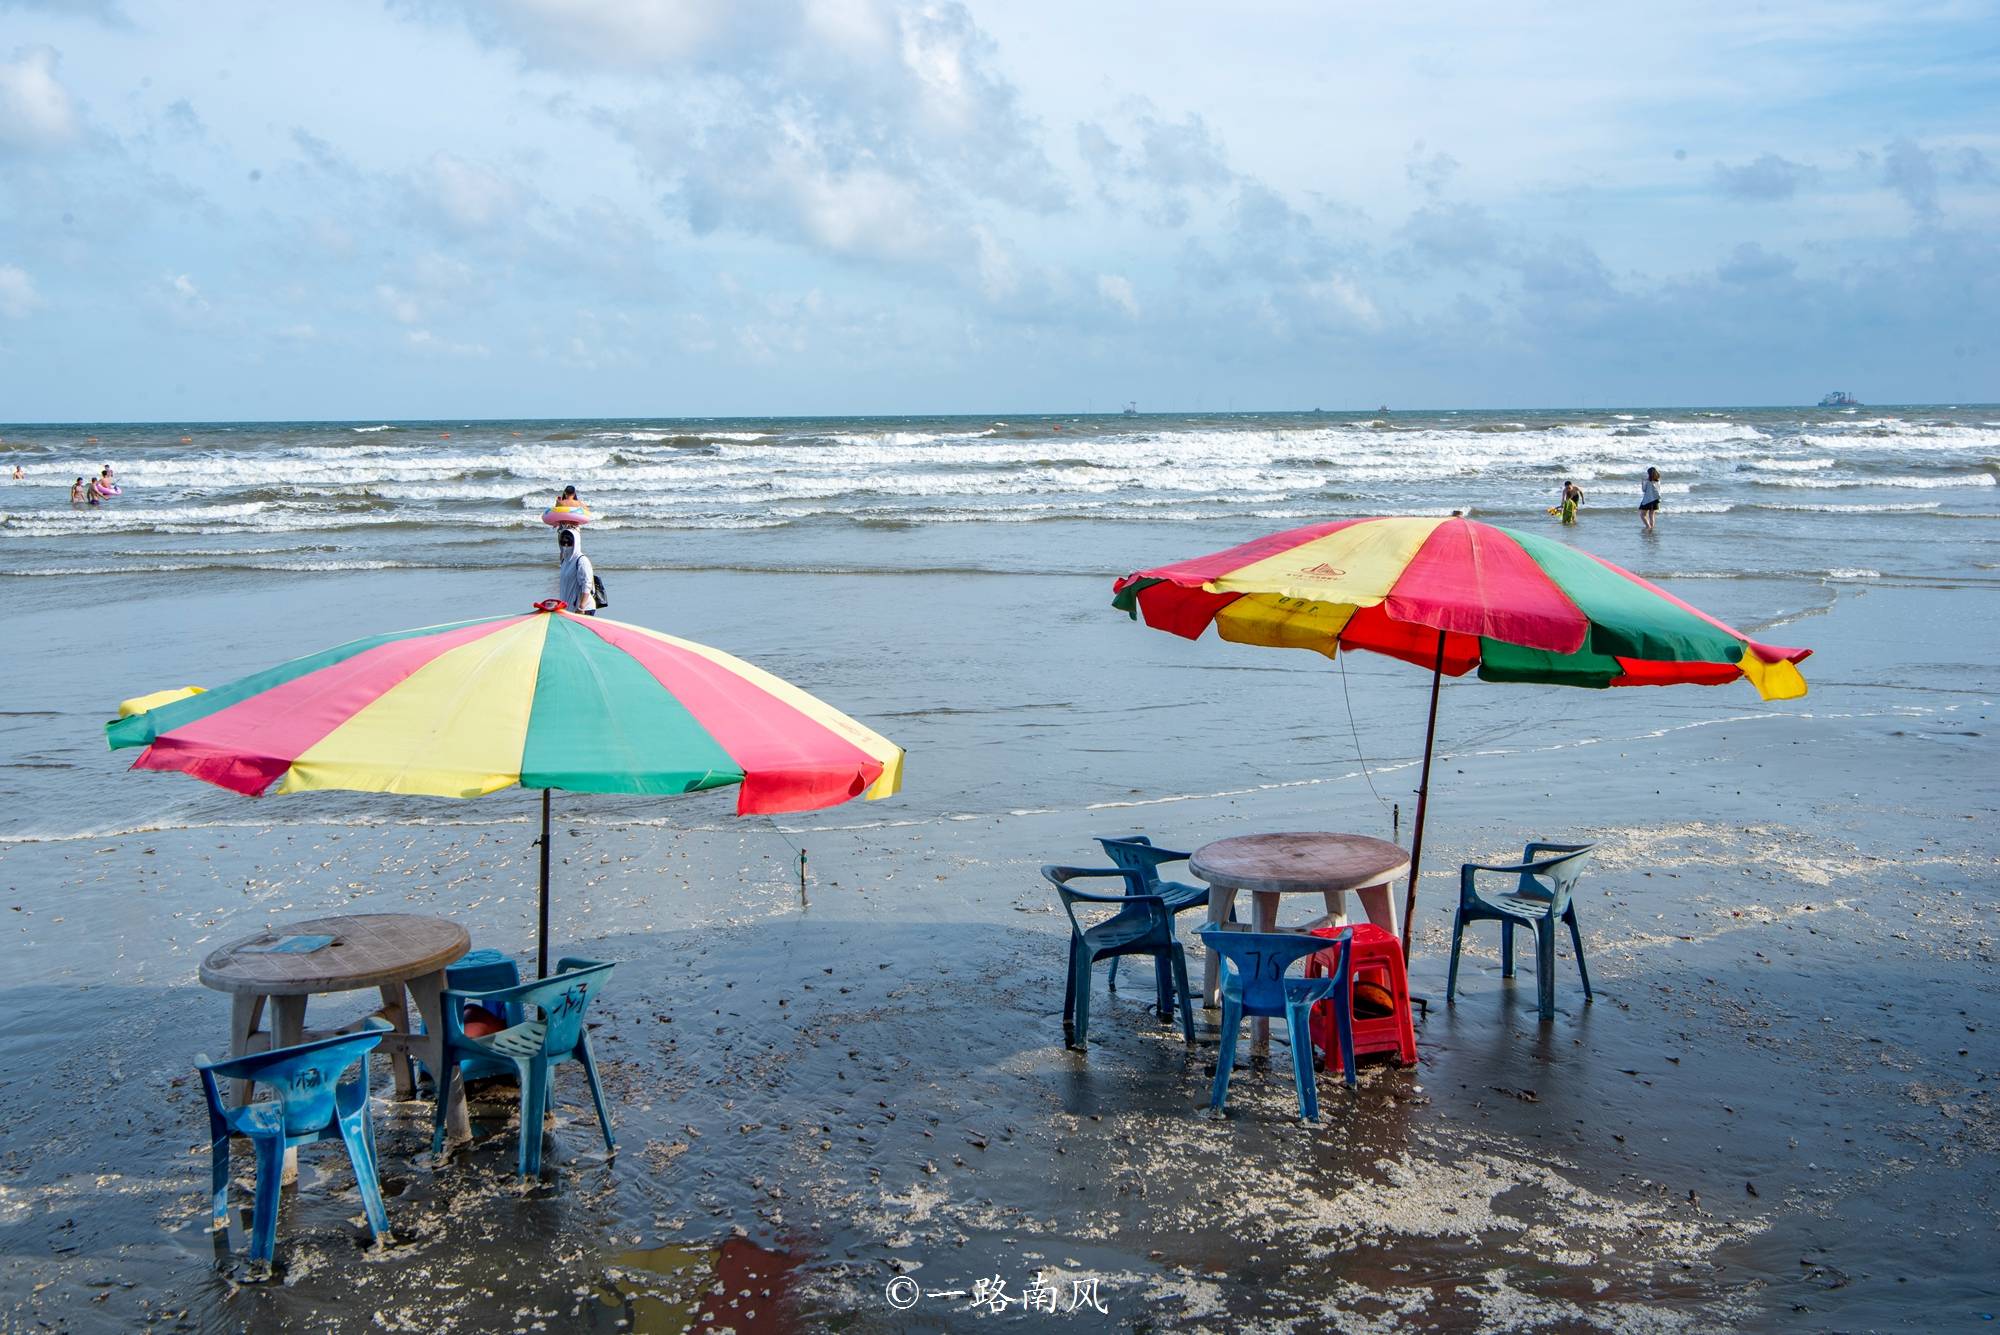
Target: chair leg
1506,948
218,1171
1069,995
354,1132
1081,966
1343,1025
270,1182
1457,942
1112,983
1576,939
1179,961
1298,1021
1163,987
583,1054
534,1103
1225,1058
446,1083
1545,969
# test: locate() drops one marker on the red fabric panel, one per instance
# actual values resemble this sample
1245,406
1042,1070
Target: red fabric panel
1649,672
1477,581
1373,629
1186,611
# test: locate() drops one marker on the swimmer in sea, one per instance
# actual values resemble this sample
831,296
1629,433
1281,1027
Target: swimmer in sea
19,476
79,492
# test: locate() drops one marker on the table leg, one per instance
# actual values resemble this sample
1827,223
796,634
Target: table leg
288,1026
396,1010
245,1009
1219,904
1263,918
1379,902
428,992
1336,907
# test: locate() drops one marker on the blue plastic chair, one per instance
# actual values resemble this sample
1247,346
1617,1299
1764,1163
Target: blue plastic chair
1141,926
313,1103
1541,895
1136,853
1254,966
486,970
551,1032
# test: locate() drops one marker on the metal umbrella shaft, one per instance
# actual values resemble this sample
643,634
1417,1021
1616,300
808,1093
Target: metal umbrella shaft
1423,796
542,949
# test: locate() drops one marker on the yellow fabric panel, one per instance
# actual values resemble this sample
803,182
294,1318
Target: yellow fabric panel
1781,680
1357,565
453,728
1284,623
143,703
871,743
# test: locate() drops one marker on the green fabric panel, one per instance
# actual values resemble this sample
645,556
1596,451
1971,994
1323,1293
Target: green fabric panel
1511,662
1626,619
602,723
143,729
1127,600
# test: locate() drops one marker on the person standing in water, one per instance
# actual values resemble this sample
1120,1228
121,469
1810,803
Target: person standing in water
1649,498
575,576
79,492
1572,500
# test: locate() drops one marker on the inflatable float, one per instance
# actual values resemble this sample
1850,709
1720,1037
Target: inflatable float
569,515
103,489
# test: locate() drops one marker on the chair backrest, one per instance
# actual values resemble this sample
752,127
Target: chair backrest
1553,878
1135,853
561,998
1261,960
302,1076
1150,906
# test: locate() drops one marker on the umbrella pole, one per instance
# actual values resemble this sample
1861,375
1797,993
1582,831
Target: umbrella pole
542,948
1423,795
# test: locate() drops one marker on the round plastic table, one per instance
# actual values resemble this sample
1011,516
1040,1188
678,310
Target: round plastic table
1312,862
386,952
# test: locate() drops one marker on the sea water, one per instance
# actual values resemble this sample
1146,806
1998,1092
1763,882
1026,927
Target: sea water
946,579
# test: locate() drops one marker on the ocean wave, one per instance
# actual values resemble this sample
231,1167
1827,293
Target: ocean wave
1895,483
1788,465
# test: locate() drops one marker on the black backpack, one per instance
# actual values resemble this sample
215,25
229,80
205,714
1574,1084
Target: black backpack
597,590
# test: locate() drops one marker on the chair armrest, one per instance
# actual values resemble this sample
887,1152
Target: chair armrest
571,963
1131,901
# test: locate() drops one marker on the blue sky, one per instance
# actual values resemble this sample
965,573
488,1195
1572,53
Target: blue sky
501,208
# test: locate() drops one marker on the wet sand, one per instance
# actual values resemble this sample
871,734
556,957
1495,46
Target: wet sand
1776,1115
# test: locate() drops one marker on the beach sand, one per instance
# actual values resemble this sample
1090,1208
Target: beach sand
1778,1114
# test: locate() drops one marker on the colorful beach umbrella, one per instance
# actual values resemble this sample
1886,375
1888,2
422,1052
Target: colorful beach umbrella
544,700
1454,595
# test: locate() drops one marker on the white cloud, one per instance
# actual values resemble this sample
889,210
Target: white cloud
17,292
402,307
1117,289
470,197
423,340
35,109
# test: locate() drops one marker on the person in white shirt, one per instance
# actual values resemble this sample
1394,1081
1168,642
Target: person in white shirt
1649,498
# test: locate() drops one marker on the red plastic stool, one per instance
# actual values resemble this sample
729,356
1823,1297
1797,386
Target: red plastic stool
1374,955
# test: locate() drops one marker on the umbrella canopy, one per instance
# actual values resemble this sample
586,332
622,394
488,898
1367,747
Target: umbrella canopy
546,700
1516,606
1453,595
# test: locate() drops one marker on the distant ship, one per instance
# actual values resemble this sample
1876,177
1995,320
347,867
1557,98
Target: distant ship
1840,398
1132,408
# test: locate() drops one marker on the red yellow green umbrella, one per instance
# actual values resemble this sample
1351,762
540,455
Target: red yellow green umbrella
1454,595
546,700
